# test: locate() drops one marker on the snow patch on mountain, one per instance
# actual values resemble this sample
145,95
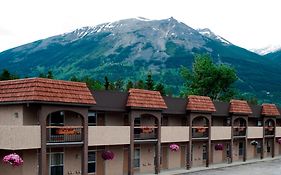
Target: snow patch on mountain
267,49
208,33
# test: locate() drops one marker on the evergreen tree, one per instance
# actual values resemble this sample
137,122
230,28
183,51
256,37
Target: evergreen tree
129,85
50,75
160,87
149,84
74,78
106,83
5,75
118,85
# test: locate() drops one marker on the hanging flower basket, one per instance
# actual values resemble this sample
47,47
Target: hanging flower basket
279,140
240,129
219,147
201,130
13,159
270,128
107,155
254,142
174,147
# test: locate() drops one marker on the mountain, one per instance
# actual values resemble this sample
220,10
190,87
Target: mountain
127,49
275,56
267,50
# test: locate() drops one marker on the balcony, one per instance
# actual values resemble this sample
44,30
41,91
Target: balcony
145,133
220,132
239,131
109,135
20,137
255,132
278,131
64,134
200,132
174,134
269,131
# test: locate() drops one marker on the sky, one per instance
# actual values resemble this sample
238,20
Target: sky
246,23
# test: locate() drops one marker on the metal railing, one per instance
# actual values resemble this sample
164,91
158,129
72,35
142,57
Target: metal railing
60,134
200,132
145,132
239,130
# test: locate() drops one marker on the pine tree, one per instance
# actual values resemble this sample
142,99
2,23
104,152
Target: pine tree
160,87
149,84
129,85
106,83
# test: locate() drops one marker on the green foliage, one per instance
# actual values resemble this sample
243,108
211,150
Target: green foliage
139,84
91,83
48,75
106,83
161,88
149,84
6,75
118,85
209,79
250,98
129,85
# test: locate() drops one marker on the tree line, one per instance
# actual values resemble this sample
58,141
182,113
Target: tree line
205,78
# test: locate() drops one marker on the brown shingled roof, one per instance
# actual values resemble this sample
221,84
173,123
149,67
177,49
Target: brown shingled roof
45,90
200,103
239,107
141,98
269,110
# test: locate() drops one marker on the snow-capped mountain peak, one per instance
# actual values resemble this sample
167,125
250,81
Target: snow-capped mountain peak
208,33
267,49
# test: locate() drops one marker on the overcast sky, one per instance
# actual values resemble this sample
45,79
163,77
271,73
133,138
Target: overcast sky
247,23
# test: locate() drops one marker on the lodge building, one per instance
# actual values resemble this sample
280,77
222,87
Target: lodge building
63,128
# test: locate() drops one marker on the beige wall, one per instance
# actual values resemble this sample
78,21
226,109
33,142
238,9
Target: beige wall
109,135
174,158
72,160
11,115
114,119
218,156
72,119
255,132
235,152
115,166
278,132
31,166
220,132
30,115
252,150
175,121
147,158
20,137
174,134
217,121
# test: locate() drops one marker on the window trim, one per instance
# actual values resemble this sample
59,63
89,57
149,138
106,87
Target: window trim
50,161
95,151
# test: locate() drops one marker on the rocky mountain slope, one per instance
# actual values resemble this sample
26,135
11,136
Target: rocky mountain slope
127,49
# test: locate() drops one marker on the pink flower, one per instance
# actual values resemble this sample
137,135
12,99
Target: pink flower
174,147
107,155
13,159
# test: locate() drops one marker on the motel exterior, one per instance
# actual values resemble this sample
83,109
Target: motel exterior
63,128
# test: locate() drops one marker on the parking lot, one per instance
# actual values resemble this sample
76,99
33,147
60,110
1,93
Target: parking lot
261,168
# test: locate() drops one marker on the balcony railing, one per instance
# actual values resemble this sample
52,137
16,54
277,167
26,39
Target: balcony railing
239,130
145,132
200,132
60,134
269,130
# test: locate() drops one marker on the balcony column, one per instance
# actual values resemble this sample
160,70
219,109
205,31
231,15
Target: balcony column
246,141
158,146
131,147
209,149
85,146
232,140
43,150
189,145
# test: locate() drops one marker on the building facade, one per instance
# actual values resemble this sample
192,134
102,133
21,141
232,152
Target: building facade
62,128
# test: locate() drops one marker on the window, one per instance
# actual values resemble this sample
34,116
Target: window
137,158
259,123
204,147
92,118
137,121
56,164
241,148
91,161
258,147
228,150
